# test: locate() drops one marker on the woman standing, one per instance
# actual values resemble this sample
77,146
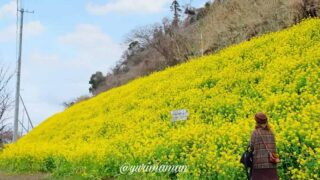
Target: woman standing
263,145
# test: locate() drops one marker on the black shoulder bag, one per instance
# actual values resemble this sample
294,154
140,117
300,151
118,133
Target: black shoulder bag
247,161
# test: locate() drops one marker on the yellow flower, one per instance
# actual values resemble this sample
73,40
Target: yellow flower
277,73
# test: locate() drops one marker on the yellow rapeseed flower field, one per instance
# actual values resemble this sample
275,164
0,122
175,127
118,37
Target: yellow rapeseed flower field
277,73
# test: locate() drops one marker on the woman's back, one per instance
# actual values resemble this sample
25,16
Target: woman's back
262,143
259,140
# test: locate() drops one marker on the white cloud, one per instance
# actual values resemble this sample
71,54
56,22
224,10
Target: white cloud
8,9
34,28
127,6
31,29
96,49
8,33
49,79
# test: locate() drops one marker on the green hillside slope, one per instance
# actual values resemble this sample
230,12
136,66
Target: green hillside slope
278,73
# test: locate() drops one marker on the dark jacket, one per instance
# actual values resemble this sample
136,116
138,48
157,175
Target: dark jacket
260,153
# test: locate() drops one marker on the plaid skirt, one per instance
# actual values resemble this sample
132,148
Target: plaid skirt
264,174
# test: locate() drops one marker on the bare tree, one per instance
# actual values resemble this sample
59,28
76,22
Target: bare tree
72,102
304,9
205,30
5,104
168,41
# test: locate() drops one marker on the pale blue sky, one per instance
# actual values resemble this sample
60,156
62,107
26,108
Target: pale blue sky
67,41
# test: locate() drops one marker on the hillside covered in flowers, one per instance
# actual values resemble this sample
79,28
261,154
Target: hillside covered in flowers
277,73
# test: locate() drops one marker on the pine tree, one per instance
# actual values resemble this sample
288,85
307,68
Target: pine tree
175,8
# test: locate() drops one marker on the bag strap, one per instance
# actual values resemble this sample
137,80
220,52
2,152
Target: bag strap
263,141
248,147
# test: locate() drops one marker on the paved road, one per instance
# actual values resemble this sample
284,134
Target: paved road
4,176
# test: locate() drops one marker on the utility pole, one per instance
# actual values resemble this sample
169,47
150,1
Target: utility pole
17,98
